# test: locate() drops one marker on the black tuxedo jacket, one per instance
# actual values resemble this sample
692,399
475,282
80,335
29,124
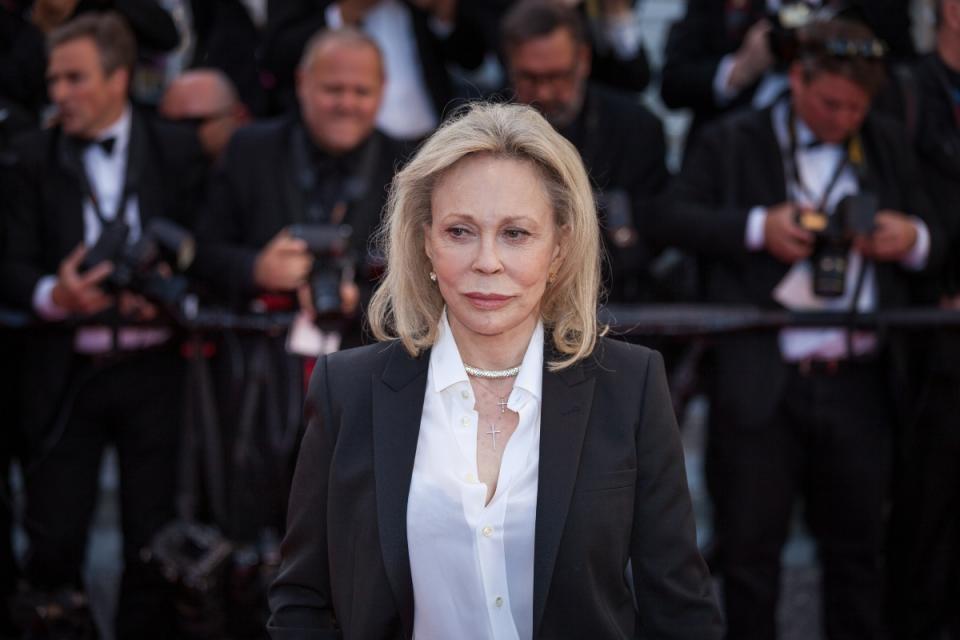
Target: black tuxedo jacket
623,148
737,164
611,489
255,193
45,223
292,22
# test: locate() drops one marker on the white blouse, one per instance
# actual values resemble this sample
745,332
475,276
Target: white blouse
472,564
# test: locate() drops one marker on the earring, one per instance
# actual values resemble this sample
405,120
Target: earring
551,278
433,276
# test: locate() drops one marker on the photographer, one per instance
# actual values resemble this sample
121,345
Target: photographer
327,166
104,167
807,412
289,219
925,545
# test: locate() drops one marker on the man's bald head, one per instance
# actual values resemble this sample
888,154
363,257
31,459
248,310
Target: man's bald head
207,98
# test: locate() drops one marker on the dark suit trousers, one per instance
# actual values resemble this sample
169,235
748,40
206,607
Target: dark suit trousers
133,403
925,551
827,443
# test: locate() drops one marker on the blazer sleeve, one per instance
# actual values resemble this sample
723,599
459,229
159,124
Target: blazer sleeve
696,212
300,598
672,584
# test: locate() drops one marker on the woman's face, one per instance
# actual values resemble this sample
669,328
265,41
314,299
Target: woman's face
493,244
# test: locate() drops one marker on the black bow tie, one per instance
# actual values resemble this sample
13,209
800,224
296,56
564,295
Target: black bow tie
106,144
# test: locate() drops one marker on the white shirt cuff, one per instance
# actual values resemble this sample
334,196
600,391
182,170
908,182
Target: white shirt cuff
43,303
722,92
754,237
624,35
333,16
920,252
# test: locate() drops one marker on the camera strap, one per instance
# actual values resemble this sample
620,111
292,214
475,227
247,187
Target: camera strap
853,157
76,166
351,186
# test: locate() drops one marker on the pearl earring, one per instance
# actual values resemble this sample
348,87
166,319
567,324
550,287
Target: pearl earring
433,276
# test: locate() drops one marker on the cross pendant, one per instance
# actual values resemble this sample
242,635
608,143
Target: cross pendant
502,403
493,434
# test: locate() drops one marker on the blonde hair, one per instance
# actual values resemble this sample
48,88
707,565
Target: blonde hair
407,305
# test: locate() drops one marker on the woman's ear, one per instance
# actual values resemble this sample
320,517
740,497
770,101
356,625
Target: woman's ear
427,243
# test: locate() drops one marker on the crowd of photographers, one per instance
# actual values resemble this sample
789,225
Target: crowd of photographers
163,162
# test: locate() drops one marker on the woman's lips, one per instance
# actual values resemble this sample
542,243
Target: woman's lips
487,301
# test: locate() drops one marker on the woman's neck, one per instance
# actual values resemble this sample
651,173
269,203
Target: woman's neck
497,352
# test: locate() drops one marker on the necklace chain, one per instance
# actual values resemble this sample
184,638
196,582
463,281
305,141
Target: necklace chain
491,374
501,400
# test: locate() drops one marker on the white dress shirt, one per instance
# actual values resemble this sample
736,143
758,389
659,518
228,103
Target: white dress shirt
407,111
106,174
472,564
816,167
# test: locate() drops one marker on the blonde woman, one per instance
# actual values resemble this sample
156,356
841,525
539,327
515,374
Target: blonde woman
493,468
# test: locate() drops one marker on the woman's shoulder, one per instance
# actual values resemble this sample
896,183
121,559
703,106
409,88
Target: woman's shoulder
617,354
362,360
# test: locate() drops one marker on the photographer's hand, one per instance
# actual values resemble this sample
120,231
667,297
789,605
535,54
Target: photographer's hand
349,298
80,293
783,237
753,58
136,307
892,239
283,264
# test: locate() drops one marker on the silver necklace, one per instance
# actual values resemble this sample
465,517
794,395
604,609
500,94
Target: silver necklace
491,374
501,402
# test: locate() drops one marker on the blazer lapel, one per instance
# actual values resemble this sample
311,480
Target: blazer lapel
567,398
397,407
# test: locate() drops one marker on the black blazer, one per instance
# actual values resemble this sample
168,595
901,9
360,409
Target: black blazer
735,165
612,489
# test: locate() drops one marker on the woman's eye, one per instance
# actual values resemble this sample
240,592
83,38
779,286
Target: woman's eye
457,232
516,234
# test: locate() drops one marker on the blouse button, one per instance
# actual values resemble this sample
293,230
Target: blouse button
465,422
487,532
465,395
498,602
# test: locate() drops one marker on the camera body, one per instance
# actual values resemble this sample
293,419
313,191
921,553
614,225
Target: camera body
137,265
330,246
853,216
784,36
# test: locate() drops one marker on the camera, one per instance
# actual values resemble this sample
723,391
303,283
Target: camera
852,216
137,265
332,263
784,36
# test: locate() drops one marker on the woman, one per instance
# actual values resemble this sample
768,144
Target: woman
493,469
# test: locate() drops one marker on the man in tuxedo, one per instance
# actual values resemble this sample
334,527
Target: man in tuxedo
104,164
418,38
925,549
324,167
719,56
548,62
805,412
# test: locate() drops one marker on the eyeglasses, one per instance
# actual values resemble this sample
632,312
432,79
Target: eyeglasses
197,121
552,78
